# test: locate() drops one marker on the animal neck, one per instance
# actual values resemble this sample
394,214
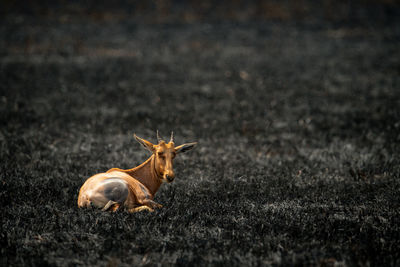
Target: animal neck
147,175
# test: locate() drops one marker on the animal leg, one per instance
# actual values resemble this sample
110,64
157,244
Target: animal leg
115,207
152,203
112,205
140,209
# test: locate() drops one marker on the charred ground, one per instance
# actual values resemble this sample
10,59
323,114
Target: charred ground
298,127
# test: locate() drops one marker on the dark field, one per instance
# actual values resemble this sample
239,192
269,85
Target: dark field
298,124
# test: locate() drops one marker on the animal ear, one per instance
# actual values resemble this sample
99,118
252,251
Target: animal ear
146,144
184,148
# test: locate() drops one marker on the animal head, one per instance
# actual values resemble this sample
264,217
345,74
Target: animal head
164,154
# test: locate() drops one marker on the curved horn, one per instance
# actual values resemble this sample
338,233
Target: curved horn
159,139
172,137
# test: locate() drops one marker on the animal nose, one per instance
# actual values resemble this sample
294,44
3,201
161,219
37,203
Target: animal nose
170,178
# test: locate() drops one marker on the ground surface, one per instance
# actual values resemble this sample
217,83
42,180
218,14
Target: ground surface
298,127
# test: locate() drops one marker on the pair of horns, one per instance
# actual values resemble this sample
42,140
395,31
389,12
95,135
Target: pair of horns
159,139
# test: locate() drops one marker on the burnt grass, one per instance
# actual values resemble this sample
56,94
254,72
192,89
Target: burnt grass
298,125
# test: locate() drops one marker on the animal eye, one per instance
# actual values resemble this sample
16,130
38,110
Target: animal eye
160,154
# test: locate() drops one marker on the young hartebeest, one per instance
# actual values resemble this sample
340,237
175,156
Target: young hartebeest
133,189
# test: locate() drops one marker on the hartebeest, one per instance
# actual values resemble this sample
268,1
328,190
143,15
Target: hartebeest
133,189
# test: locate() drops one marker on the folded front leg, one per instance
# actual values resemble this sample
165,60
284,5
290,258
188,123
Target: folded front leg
152,203
140,208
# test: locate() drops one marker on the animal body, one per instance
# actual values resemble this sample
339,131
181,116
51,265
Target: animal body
133,189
